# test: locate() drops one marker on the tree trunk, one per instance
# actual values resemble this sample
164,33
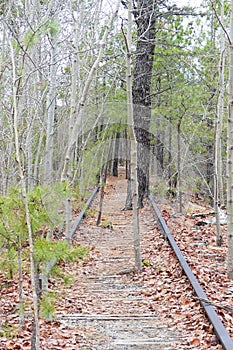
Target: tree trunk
116,154
36,333
81,105
179,177
145,19
218,184
51,104
133,143
102,183
21,292
230,154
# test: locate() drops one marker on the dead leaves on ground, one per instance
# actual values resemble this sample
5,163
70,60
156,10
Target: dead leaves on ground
166,291
208,263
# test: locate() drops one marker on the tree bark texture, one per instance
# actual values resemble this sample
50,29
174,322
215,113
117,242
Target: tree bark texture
145,15
116,154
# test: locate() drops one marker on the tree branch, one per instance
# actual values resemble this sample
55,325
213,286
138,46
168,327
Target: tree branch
226,308
220,22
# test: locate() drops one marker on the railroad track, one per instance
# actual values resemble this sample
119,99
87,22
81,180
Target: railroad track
113,306
222,334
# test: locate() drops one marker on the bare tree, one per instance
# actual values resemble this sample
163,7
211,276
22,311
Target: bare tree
50,120
230,153
218,173
36,333
133,142
77,114
75,132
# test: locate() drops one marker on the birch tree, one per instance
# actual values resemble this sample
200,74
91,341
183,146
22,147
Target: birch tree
230,153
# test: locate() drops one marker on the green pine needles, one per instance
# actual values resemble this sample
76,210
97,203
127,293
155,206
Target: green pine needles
47,214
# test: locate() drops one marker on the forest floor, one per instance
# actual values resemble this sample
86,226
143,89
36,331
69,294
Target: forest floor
110,306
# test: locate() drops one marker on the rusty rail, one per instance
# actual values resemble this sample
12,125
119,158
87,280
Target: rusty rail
82,213
220,331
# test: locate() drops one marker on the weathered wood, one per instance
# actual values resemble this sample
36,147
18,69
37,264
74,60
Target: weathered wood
107,317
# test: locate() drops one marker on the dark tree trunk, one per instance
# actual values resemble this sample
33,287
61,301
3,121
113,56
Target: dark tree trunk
128,203
104,178
210,172
144,14
116,152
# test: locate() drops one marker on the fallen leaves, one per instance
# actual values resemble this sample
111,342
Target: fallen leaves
207,261
160,288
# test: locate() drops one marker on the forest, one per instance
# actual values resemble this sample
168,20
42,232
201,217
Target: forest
87,85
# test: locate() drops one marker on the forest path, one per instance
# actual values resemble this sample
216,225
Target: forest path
108,307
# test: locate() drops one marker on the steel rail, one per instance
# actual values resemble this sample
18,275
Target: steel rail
76,223
220,331
82,213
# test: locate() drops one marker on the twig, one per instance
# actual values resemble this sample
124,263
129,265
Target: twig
220,22
202,214
227,308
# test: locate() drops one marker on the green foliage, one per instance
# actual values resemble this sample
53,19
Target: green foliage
47,306
76,253
44,205
15,45
8,330
185,77
145,263
57,272
160,189
53,200
52,27
29,38
12,215
8,262
47,250
38,213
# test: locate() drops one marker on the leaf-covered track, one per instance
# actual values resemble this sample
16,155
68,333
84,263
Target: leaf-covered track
220,330
83,211
110,306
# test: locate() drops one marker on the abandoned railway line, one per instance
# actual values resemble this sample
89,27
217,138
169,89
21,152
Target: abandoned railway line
161,307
